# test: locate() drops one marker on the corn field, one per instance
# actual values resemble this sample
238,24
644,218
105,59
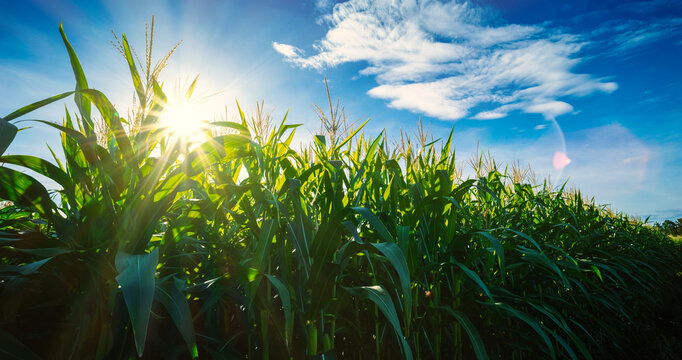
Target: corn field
353,247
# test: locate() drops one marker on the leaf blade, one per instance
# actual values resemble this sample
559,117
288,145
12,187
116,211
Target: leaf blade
136,276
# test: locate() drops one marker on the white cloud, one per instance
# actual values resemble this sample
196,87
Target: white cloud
444,59
489,115
324,5
286,50
550,109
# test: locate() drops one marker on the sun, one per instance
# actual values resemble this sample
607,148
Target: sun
184,121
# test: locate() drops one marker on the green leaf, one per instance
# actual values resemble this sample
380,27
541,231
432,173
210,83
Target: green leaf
168,187
473,276
38,104
42,167
321,141
298,234
136,276
378,295
243,130
7,133
252,274
87,145
396,257
214,151
535,325
160,100
82,103
173,299
497,246
133,72
352,134
286,306
596,271
476,341
267,232
51,252
190,89
403,233
375,222
113,121
537,246
540,258
24,190
372,148
13,349
25,270
78,136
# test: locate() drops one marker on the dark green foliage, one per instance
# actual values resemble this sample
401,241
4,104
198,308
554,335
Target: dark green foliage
670,227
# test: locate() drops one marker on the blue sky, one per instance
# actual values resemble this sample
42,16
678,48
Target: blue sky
598,82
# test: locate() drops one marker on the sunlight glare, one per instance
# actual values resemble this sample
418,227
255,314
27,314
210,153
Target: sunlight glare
183,120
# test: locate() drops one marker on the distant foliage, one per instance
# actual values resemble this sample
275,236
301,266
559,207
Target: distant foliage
241,247
670,227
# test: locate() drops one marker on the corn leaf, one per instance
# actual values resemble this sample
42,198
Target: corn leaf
136,276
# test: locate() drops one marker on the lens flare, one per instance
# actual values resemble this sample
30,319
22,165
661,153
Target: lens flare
560,160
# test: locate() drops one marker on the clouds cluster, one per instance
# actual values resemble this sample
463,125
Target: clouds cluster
447,59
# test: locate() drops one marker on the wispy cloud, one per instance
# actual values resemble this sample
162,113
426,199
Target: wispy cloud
286,50
626,36
445,59
324,5
621,30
